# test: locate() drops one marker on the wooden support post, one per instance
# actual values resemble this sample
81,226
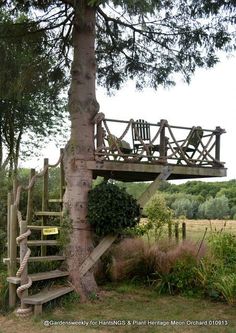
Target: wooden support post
153,187
38,309
183,231
177,232
29,213
23,250
9,203
14,188
12,254
44,202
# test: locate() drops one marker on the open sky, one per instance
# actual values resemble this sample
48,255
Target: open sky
209,101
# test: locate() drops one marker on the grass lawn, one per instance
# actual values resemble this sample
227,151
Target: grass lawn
141,306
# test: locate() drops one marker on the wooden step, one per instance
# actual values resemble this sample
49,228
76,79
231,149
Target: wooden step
40,227
40,276
55,200
37,259
45,296
50,242
48,213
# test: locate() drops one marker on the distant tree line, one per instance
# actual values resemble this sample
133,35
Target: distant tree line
195,199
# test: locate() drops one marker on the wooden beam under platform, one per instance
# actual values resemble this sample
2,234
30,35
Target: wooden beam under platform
132,172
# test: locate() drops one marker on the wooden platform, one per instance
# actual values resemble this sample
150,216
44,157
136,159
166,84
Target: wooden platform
132,172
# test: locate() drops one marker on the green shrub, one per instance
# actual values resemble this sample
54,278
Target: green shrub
158,215
223,246
111,209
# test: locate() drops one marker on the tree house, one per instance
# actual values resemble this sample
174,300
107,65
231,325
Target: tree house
124,150
189,152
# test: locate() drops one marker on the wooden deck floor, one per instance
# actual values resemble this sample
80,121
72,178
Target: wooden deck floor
131,172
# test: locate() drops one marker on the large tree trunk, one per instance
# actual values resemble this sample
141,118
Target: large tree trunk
80,148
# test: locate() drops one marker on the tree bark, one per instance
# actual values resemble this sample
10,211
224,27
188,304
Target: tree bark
80,148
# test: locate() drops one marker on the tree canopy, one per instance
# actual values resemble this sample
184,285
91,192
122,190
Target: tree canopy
31,107
149,41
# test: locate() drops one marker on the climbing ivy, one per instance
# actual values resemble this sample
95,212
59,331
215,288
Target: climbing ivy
111,209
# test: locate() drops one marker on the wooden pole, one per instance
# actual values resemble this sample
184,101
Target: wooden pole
177,232
12,254
183,231
217,150
62,183
44,202
100,134
9,203
163,151
29,213
23,250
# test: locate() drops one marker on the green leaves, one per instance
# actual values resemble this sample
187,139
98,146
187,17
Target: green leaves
30,86
111,209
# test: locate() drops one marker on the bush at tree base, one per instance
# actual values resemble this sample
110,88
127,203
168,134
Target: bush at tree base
111,209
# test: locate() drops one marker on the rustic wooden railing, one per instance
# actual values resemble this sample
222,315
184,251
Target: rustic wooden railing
172,144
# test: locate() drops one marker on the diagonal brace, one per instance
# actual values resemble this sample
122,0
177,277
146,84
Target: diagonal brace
91,260
153,187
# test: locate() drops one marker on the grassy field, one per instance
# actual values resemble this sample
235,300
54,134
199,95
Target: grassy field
196,228
136,308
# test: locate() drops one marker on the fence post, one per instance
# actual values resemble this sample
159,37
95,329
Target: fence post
177,232
12,254
183,231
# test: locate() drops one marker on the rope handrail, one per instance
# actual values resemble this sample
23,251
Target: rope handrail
22,238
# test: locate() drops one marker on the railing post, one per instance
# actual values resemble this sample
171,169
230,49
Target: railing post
44,201
12,254
163,151
62,182
218,132
9,203
29,213
100,134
